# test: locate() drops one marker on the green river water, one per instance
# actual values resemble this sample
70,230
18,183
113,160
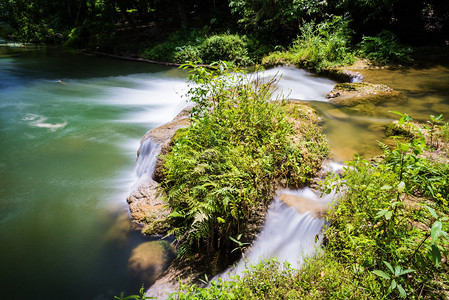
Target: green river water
70,126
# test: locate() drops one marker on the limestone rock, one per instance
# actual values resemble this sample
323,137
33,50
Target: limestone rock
303,205
146,203
352,94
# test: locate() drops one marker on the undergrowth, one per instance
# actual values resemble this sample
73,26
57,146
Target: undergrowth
240,147
320,46
386,238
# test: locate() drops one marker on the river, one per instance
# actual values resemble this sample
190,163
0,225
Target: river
70,126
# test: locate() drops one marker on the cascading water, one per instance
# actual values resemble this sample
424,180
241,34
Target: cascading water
146,162
288,235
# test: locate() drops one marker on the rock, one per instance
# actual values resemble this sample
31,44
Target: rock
163,136
149,260
303,205
146,204
352,94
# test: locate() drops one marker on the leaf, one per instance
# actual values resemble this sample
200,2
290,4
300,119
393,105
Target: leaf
432,212
396,112
381,274
397,270
405,147
401,187
221,220
436,231
402,291
381,213
389,267
388,215
435,255
393,284
403,272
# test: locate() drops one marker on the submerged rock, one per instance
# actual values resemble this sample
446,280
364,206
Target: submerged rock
304,205
149,260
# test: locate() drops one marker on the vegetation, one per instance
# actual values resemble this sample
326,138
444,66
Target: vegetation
181,47
320,46
319,34
384,48
227,165
387,235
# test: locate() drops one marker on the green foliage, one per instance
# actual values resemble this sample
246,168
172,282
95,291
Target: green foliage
379,219
384,48
141,296
386,237
239,148
226,47
275,22
319,46
182,47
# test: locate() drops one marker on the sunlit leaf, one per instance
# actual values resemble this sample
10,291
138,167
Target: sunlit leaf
381,274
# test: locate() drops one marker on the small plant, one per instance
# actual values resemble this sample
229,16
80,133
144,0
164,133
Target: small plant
141,296
434,121
240,246
394,277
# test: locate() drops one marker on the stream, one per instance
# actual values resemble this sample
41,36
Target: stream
70,127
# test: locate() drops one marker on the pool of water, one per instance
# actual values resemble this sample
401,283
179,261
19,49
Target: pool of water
70,126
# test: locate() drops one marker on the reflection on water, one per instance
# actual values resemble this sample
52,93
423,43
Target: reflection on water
426,88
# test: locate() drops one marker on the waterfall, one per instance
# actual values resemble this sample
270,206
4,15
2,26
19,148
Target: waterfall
287,235
146,161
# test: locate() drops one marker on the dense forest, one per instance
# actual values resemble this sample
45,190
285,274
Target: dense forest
242,31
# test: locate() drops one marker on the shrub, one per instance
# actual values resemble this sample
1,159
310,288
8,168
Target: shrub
319,46
228,163
225,47
324,45
187,53
384,48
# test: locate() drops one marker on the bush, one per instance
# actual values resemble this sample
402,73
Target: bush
319,46
187,53
384,48
228,163
225,47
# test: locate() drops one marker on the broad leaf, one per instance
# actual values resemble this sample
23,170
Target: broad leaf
389,267
381,274
435,255
436,231
401,291
432,212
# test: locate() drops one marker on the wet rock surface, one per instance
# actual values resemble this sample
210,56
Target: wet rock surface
146,203
352,94
304,205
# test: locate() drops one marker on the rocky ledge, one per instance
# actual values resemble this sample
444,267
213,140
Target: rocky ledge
146,203
356,93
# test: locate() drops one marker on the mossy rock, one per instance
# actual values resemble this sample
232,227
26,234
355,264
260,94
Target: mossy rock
352,94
